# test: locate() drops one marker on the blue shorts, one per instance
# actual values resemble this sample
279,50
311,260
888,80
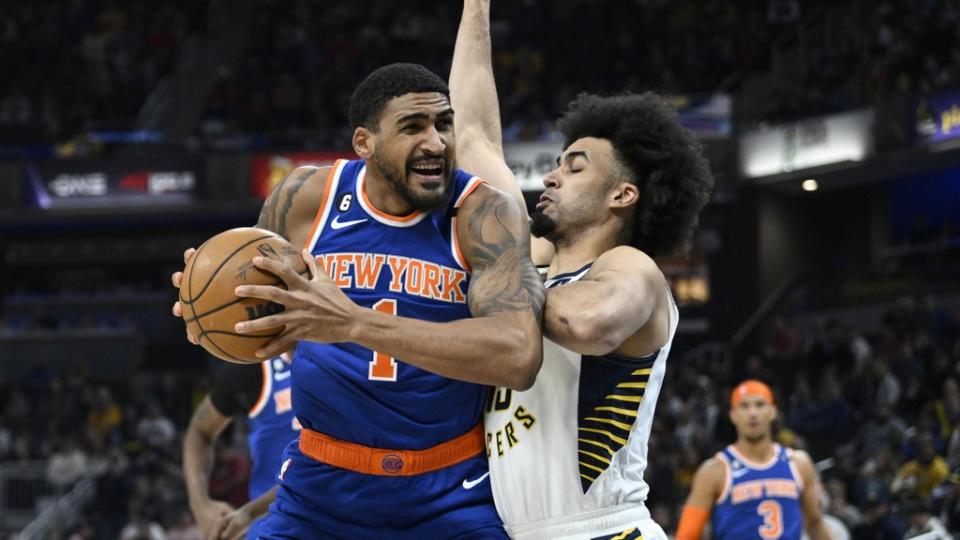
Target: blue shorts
316,500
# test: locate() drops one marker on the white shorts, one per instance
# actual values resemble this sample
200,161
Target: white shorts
623,522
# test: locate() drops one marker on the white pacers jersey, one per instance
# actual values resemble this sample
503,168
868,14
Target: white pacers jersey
567,456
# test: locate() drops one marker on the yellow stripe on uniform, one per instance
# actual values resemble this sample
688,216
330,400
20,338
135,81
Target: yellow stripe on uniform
624,534
634,399
587,478
600,444
645,371
589,466
625,412
621,425
613,437
594,456
632,385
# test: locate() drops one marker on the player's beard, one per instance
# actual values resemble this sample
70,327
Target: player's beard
425,202
542,225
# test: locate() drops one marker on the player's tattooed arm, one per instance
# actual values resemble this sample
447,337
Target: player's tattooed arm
505,278
276,212
473,94
500,345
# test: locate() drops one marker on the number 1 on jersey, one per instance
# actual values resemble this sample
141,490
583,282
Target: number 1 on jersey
383,367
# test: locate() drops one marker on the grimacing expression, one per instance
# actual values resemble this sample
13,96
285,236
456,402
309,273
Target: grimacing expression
575,193
415,148
753,417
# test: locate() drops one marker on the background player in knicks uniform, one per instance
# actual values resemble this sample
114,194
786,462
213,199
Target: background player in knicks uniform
262,392
410,248
567,456
755,487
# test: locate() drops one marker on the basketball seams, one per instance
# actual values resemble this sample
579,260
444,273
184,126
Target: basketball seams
193,263
234,302
196,318
220,267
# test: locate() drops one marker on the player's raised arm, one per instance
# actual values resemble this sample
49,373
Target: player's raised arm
473,95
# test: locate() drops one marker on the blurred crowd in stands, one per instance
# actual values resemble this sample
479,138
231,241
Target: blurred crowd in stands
875,400
302,59
78,65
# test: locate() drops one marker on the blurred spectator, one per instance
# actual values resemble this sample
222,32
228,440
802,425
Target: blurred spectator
918,477
67,465
155,429
924,522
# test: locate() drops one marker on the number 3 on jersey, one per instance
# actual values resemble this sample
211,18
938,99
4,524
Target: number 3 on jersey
383,367
772,526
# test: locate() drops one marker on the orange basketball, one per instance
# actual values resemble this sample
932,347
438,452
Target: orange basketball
211,309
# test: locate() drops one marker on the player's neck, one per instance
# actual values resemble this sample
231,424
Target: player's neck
760,451
574,253
383,196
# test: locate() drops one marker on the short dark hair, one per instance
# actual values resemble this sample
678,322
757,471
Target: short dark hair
386,83
661,157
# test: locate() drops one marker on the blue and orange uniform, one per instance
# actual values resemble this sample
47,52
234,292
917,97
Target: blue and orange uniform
387,450
263,392
759,500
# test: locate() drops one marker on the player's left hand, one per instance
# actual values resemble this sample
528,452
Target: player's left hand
233,525
315,309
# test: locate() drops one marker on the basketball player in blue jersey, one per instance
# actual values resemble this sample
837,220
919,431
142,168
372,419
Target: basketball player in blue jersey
421,292
755,488
567,456
262,392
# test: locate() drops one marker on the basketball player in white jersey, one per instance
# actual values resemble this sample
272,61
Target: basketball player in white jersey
567,456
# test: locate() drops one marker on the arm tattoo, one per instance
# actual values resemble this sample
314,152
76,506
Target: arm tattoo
505,278
270,218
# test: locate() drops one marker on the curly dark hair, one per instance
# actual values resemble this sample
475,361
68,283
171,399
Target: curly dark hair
386,83
657,155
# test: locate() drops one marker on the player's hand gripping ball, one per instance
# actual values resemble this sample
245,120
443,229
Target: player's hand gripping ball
207,301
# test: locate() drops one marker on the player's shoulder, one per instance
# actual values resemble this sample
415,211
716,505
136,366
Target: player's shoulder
799,457
628,260
713,468
711,474
484,198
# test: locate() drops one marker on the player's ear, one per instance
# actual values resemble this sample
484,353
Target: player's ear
363,143
624,194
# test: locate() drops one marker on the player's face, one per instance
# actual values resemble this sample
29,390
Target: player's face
753,417
576,192
415,148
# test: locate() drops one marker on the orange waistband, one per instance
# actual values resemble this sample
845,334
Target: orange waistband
382,462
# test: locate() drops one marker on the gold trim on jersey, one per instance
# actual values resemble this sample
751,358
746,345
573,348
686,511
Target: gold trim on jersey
607,422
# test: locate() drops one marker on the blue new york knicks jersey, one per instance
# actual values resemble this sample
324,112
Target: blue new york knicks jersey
759,500
410,266
272,426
